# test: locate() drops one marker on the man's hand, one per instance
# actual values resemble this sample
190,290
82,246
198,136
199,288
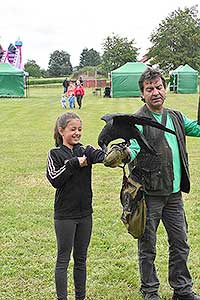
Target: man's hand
117,155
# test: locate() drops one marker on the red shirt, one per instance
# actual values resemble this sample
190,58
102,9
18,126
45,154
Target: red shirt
79,90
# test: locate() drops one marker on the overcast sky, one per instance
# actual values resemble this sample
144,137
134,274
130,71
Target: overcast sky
45,26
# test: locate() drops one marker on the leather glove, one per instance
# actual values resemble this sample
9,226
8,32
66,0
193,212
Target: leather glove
117,155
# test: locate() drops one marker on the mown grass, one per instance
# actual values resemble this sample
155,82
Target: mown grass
27,243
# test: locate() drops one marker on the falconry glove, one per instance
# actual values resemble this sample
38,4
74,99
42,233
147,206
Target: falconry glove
116,156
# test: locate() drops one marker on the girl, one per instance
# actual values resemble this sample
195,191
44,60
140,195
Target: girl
79,93
69,169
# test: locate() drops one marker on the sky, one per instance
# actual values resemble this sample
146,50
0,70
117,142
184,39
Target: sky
45,26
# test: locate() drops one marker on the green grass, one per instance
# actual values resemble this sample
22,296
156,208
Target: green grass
27,239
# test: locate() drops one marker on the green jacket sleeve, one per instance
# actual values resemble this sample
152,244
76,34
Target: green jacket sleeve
134,149
134,146
191,127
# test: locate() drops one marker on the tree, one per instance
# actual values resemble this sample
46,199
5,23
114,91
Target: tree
89,58
177,40
117,52
44,73
32,68
59,64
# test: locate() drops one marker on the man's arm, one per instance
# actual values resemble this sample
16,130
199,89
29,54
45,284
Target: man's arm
191,127
134,149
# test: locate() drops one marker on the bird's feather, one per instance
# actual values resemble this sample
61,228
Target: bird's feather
123,126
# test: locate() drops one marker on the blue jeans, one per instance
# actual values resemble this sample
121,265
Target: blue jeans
72,234
170,210
71,100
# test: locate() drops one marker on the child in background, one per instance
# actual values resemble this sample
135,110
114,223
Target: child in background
69,170
70,95
63,101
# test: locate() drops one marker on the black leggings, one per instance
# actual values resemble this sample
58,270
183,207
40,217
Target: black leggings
72,234
79,100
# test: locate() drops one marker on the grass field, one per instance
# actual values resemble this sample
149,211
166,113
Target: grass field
27,239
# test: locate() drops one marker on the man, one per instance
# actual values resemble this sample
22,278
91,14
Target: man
81,80
65,85
164,176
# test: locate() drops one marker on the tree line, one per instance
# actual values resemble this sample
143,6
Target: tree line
175,42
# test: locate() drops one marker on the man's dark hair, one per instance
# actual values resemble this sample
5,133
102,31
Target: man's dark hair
150,74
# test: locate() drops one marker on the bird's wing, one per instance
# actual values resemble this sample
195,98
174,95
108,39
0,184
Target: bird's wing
120,125
124,119
108,117
111,132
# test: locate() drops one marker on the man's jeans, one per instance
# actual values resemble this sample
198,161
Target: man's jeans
170,210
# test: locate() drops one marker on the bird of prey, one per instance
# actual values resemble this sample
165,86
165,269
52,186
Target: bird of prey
122,126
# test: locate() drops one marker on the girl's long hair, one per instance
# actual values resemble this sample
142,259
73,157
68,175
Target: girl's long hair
62,122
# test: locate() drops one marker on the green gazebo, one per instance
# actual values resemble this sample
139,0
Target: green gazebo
11,81
124,80
185,80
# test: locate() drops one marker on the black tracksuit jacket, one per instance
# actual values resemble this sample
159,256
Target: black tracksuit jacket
73,197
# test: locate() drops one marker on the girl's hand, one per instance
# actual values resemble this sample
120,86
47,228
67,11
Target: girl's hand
83,161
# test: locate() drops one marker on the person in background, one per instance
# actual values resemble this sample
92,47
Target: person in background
164,177
81,80
63,101
1,52
69,169
65,85
70,95
79,93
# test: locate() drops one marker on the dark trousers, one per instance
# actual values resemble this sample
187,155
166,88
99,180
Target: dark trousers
170,210
79,100
72,234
